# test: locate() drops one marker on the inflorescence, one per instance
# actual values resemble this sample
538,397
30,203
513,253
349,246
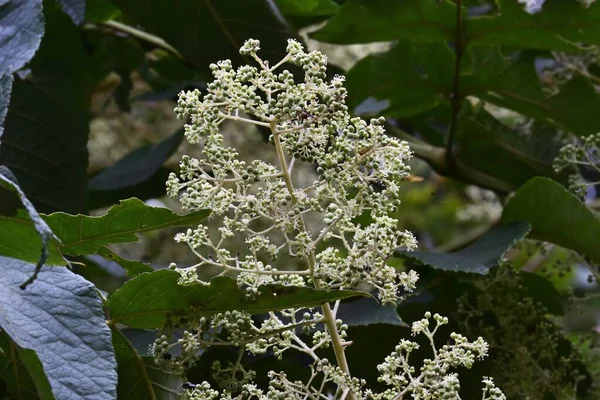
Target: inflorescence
359,170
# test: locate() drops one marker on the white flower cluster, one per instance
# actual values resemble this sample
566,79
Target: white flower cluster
359,168
534,6
435,380
585,154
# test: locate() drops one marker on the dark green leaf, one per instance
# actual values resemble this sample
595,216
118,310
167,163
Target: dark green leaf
218,31
146,300
74,9
20,383
367,311
478,257
137,166
22,29
82,234
100,11
132,268
152,188
414,78
140,377
46,127
45,234
60,318
562,25
364,21
487,145
307,8
555,216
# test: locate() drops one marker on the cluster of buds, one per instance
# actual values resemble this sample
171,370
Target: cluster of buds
584,156
358,172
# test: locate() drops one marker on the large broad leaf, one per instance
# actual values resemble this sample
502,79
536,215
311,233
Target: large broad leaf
82,234
46,127
44,238
22,372
140,377
487,145
307,8
152,300
556,216
414,78
137,166
60,318
22,29
364,21
478,257
218,30
562,25
367,311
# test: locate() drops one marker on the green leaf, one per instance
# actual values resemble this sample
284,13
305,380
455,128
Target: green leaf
307,8
16,364
368,311
61,319
22,25
487,145
136,166
416,77
132,268
478,257
46,127
152,188
148,300
364,21
556,216
139,376
218,31
562,26
44,233
82,234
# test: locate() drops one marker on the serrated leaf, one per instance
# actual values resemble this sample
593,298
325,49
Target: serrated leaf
218,32
46,127
61,319
131,267
478,257
556,216
364,21
145,301
44,233
140,377
83,235
136,166
22,25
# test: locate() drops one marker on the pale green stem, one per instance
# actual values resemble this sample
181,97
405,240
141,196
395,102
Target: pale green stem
337,342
